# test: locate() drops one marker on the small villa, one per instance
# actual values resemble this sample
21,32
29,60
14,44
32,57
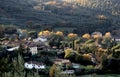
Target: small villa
29,65
36,65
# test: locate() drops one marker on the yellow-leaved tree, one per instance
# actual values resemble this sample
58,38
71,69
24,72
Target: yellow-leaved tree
86,35
45,33
108,34
96,36
52,70
59,33
68,51
72,35
86,57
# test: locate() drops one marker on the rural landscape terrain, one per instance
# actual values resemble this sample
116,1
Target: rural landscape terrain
60,38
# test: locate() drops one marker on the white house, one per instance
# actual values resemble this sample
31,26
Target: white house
32,65
29,65
33,50
39,66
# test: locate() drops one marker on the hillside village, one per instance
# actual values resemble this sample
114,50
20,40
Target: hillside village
50,53
60,38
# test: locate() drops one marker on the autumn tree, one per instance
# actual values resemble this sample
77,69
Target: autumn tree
67,52
107,40
96,36
71,38
52,70
87,36
59,33
87,56
45,33
108,35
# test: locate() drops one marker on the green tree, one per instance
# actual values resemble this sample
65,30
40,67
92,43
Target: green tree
5,66
18,66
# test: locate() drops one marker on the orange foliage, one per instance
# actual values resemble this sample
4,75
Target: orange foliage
68,51
72,35
96,36
45,33
59,33
108,34
87,56
102,50
86,36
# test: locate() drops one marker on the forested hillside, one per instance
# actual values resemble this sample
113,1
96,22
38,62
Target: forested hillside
78,16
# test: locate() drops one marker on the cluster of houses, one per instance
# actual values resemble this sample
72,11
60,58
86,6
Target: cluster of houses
37,44
65,64
32,44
